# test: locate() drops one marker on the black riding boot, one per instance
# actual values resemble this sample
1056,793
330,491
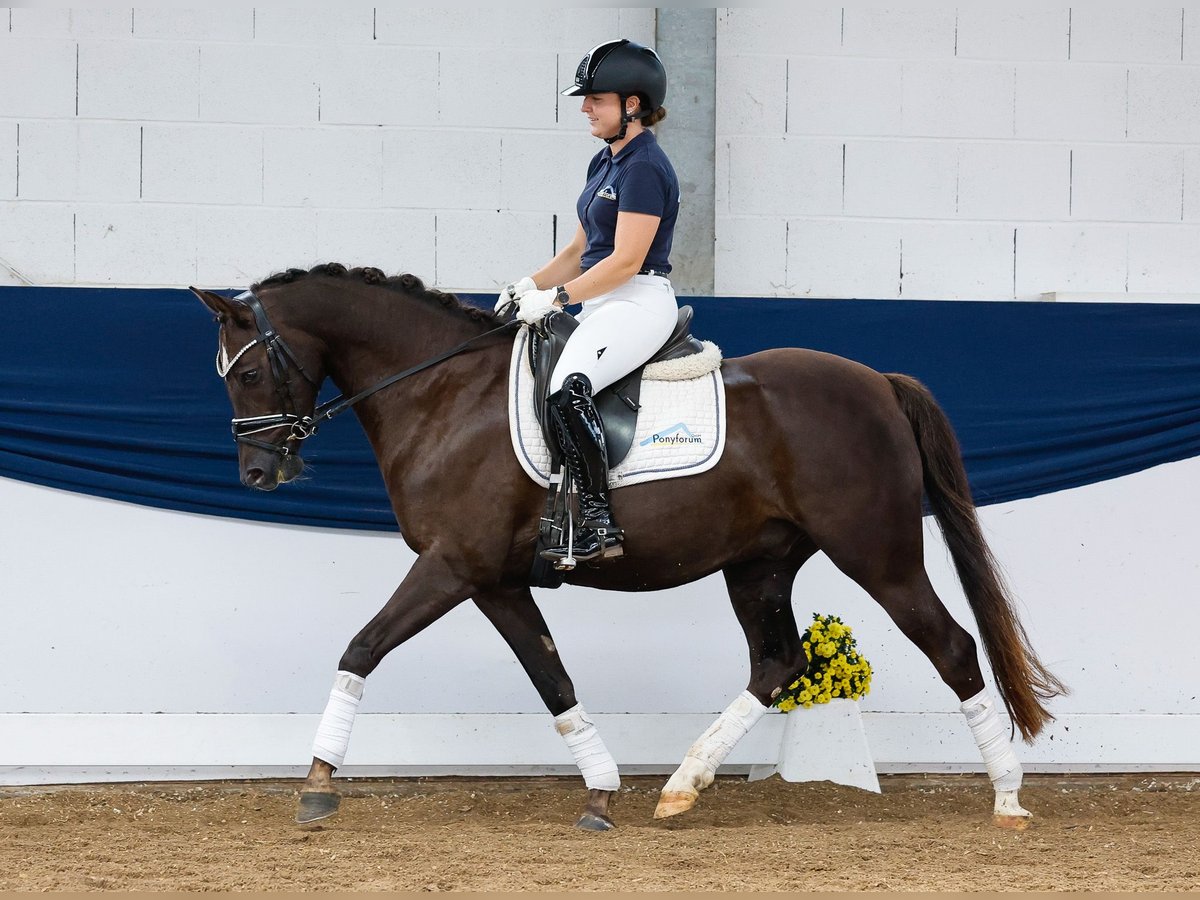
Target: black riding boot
580,436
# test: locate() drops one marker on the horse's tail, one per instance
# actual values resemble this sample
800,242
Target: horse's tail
1023,681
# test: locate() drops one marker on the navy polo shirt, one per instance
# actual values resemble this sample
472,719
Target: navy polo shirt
639,179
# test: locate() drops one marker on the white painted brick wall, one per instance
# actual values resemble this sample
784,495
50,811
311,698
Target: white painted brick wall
1135,183
1074,128
202,163
161,146
1014,180
322,167
1126,33
1163,258
38,78
1026,32
37,239
89,161
9,136
138,80
395,240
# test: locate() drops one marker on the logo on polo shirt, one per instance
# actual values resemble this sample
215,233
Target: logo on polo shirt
607,192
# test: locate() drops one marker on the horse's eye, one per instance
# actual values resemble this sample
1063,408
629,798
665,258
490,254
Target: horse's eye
250,376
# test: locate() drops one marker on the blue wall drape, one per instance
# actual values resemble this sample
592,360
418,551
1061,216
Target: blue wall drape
112,392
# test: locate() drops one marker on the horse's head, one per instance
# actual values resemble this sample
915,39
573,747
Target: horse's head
272,384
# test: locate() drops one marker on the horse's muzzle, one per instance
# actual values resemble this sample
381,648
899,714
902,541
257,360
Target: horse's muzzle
287,469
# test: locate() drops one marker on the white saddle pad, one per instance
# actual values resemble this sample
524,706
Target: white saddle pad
680,427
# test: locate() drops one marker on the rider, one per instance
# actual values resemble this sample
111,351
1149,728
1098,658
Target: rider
616,266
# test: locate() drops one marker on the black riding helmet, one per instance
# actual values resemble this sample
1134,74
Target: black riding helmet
626,69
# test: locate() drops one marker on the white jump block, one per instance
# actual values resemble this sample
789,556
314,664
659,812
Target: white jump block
824,743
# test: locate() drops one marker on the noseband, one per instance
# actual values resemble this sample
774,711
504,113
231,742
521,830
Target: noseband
282,359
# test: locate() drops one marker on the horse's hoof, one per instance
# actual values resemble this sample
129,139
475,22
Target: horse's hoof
672,803
593,822
317,805
1012,823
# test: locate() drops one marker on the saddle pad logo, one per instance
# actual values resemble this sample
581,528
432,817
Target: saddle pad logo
607,192
678,433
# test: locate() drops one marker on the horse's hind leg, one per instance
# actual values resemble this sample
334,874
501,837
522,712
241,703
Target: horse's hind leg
516,616
893,572
761,592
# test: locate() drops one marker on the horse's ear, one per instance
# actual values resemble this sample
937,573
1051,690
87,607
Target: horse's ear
224,307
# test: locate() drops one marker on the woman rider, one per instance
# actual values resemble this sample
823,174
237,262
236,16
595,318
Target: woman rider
616,266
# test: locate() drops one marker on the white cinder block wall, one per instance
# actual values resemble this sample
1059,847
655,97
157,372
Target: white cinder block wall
981,152
215,146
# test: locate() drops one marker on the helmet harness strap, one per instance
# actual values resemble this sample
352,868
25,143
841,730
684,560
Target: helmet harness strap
626,118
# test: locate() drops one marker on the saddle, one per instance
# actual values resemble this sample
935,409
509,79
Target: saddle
618,404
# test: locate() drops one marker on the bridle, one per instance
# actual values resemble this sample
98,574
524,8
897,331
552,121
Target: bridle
282,360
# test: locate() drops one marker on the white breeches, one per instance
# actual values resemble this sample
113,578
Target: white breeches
618,331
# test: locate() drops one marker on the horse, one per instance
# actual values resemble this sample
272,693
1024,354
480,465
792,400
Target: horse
822,454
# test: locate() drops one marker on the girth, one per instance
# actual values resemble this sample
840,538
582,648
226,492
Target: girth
618,404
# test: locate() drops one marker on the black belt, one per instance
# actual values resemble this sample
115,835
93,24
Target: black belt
653,272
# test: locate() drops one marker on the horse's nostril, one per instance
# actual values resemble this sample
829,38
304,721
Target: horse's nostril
254,476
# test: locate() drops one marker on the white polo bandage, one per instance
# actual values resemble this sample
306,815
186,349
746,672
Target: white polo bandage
333,734
595,763
1003,768
731,726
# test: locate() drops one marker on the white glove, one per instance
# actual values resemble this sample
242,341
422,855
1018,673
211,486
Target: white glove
514,291
535,304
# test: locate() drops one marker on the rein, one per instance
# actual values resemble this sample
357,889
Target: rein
281,357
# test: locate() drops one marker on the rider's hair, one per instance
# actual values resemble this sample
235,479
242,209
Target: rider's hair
655,117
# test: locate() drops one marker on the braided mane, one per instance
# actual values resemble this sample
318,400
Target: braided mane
404,284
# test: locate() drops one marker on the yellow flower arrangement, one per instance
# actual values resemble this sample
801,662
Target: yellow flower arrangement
835,667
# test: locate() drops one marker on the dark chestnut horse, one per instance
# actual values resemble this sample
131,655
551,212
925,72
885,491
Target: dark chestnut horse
822,454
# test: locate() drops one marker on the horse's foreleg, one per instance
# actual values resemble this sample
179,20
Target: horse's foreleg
428,592
761,592
516,616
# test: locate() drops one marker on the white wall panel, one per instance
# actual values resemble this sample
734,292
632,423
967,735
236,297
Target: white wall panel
1136,183
481,249
40,22
64,160
441,169
540,171
1070,101
1080,562
957,260
323,167
149,244
211,23
1013,180
785,174
902,179
1191,184
957,99
1063,257
138,80
1164,104
313,25
378,85
752,256
101,23
38,77
471,96
9,133
805,27
202,164
758,95
241,245
394,240
818,251
1024,32
843,96
272,85
1126,33
913,32
36,239
1164,259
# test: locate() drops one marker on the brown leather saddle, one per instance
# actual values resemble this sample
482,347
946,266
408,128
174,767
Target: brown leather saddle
618,404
